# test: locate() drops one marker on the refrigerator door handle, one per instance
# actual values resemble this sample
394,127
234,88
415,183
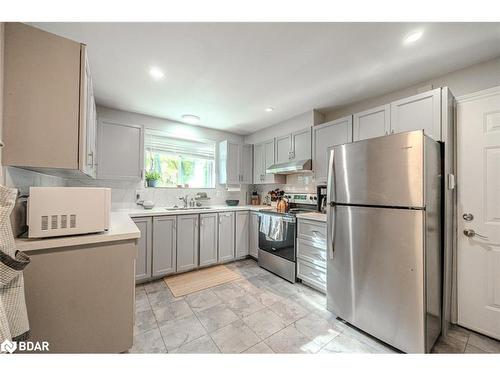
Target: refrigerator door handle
331,229
330,190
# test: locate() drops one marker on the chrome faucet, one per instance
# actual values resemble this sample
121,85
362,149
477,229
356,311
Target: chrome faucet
184,200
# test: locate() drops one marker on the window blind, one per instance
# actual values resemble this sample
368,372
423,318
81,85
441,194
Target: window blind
157,141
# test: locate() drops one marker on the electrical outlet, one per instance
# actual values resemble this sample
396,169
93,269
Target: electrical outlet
139,196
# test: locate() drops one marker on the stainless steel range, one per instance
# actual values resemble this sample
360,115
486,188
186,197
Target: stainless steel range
277,235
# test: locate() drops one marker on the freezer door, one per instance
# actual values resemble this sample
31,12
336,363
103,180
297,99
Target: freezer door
384,171
383,249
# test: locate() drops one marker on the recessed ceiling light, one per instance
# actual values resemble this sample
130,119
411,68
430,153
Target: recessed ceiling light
413,37
269,109
191,119
156,73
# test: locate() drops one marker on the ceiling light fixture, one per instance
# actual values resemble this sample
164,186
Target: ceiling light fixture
191,119
413,37
269,109
156,73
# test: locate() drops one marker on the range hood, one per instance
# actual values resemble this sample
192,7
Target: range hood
291,167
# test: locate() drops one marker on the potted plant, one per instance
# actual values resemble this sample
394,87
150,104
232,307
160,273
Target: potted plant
152,177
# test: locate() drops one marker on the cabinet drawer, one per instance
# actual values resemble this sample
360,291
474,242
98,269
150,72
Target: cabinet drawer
312,275
312,230
311,252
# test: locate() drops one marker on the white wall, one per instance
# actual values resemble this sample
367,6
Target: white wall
464,81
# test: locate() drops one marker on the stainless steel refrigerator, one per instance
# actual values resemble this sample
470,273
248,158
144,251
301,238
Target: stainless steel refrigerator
384,238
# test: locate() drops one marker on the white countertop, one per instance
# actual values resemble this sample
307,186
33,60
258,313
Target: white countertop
121,228
317,216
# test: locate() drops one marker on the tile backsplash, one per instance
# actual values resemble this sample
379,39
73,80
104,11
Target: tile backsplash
123,192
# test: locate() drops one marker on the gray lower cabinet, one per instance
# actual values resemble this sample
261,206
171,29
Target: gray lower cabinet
226,236
143,261
254,235
208,239
187,242
242,228
164,245
311,253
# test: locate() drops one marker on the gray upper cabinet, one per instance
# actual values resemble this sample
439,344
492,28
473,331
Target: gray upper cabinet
235,163
295,146
254,234
242,228
187,242
246,164
164,245
375,122
301,145
47,100
264,157
143,261
226,236
325,136
120,150
208,239
421,111
283,149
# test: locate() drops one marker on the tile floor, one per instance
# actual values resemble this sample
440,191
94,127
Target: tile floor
261,313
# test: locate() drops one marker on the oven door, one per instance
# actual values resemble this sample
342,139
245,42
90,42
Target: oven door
285,246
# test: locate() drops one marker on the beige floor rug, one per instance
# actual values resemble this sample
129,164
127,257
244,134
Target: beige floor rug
194,281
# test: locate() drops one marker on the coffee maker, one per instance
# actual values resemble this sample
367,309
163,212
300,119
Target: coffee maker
321,194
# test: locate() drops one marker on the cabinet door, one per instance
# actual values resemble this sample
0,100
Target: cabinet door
301,145
283,149
372,123
88,120
143,261
164,245
241,233
422,111
120,150
326,135
229,156
254,235
258,163
208,239
187,242
226,236
268,161
246,165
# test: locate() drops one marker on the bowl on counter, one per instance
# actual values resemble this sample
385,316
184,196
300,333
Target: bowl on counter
232,202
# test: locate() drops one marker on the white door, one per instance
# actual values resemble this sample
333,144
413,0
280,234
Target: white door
421,111
283,148
301,145
372,123
478,144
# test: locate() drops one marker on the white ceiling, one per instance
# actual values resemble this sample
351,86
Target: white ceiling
228,73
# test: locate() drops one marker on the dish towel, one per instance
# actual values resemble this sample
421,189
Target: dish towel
265,223
14,324
276,231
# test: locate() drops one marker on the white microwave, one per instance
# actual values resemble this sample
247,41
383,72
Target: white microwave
64,211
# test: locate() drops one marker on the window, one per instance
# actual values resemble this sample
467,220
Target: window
180,162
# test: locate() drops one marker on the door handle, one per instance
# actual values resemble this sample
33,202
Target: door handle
331,228
472,233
